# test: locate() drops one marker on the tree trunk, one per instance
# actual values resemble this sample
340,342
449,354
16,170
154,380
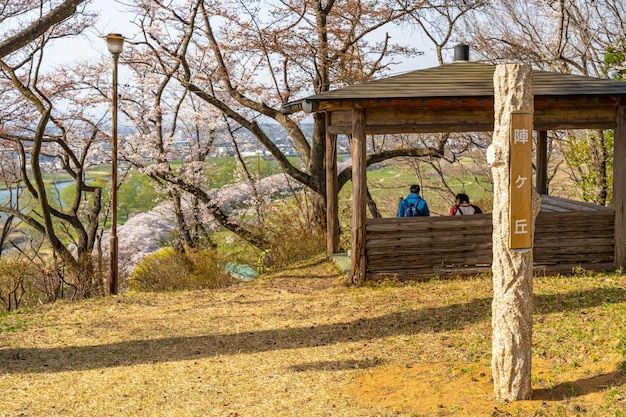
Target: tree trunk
597,151
371,205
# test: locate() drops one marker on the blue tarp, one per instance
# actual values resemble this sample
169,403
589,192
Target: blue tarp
243,272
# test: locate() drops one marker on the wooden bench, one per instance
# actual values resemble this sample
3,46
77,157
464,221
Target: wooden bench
568,234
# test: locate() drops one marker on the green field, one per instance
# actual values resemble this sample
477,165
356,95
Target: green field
387,183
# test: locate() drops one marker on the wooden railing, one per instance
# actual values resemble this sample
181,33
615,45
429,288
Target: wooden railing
568,234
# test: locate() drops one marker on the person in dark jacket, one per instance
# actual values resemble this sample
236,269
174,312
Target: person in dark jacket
463,206
413,204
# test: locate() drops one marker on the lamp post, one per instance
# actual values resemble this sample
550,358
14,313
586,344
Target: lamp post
115,43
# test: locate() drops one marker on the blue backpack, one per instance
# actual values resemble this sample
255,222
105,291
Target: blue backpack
411,211
415,210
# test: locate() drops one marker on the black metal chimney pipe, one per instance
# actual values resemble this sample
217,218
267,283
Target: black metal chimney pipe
461,53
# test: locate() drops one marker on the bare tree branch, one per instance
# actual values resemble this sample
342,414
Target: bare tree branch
39,27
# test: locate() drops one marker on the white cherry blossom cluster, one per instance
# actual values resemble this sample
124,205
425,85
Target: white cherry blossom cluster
145,233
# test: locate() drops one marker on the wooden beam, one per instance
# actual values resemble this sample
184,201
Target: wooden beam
541,169
575,124
402,116
576,115
332,206
415,128
384,120
619,188
475,102
359,196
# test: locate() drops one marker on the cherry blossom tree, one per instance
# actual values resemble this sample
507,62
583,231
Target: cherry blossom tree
44,132
167,113
241,62
37,17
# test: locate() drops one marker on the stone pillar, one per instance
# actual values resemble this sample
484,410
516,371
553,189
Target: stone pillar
512,268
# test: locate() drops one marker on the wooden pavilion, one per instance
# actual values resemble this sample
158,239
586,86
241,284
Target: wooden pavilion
459,97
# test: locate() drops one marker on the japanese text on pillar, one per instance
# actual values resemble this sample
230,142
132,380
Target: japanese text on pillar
520,183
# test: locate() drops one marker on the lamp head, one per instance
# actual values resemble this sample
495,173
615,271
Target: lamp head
115,43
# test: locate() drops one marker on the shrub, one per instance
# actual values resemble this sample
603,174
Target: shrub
167,270
16,286
25,282
292,235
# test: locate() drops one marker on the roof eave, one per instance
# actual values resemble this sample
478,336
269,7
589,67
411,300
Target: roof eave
305,105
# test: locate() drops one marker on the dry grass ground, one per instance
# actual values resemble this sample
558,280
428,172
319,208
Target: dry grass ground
302,343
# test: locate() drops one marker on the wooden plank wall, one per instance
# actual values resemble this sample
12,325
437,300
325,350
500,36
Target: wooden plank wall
568,239
424,247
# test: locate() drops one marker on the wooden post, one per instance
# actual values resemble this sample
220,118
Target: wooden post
359,195
332,206
542,163
619,187
512,268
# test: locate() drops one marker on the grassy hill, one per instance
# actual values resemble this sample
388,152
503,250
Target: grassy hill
303,343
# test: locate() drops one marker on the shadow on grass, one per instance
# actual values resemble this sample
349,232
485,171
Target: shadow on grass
583,386
134,352
337,365
296,271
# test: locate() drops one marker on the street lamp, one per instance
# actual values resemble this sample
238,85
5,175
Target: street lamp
115,43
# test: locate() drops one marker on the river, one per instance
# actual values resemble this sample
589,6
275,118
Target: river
5,194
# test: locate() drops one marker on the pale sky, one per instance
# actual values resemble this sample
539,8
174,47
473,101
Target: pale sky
112,19
90,45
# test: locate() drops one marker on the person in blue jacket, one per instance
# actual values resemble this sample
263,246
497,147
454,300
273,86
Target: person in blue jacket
413,204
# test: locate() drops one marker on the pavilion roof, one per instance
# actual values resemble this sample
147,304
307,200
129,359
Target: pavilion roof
461,80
